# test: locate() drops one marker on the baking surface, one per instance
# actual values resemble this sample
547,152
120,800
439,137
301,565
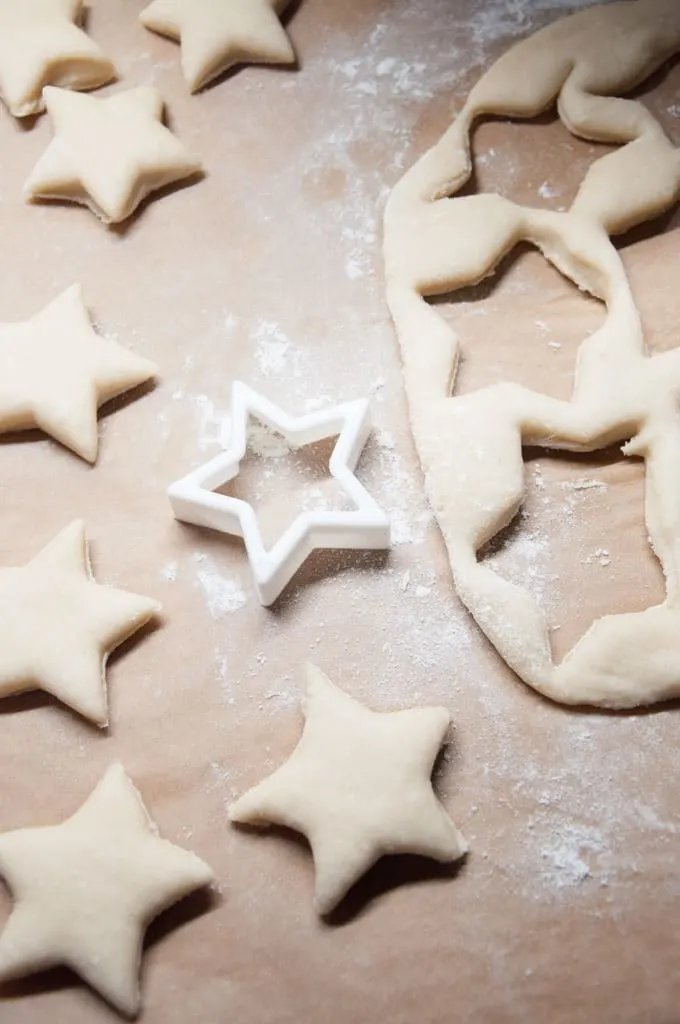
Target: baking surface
269,271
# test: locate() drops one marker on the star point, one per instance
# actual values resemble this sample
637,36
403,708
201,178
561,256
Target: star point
58,625
217,34
56,371
108,154
41,43
194,499
358,786
85,891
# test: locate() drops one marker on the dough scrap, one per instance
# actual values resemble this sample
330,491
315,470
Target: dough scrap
470,447
85,891
58,626
42,44
108,154
55,371
217,34
358,787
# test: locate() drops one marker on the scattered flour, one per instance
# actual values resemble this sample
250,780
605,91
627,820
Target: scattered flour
601,556
265,442
587,484
274,352
546,191
170,572
222,595
213,423
397,489
568,853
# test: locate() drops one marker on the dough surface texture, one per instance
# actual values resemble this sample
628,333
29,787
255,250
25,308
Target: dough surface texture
217,34
108,154
84,891
470,447
358,787
57,626
41,44
55,372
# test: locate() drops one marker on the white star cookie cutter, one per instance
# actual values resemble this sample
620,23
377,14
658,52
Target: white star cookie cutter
195,501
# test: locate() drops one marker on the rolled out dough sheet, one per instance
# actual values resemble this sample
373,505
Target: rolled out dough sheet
270,271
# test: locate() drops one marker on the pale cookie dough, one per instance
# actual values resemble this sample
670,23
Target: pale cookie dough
471,447
358,787
41,44
55,372
85,891
108,154
57,626
216,34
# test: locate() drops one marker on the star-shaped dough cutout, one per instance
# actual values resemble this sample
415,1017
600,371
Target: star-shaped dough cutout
41,44
108,154
57,625
358,786
216,34
55,372
85,891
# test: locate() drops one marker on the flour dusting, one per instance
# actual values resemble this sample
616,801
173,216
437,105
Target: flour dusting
213,422
274,353
222,595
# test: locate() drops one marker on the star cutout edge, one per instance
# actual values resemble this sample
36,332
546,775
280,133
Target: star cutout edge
217,34
108,153
194,500
58,625
42,43
85,890
56,370
358,786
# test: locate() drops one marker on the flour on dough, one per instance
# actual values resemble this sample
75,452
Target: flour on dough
108,154
470,447
216,34
55,372
84,891
42,44
358,787
58,626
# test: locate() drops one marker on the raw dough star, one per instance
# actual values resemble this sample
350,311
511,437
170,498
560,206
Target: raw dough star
57,626
358,786
55,371
41,43
85,891
216,34
108,154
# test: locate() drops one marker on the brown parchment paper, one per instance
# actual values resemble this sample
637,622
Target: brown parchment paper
269,271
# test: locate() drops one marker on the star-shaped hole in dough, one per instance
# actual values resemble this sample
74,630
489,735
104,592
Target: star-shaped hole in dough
42,44
55,372
217,34
108,154
85,891
358,786
58,626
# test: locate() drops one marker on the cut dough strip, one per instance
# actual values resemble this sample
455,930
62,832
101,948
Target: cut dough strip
471,447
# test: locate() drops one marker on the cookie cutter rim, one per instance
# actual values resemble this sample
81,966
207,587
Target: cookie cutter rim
366,527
